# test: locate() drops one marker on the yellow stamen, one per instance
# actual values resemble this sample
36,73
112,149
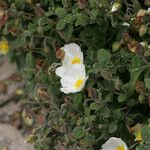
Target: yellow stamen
120,148
76,60
78,83
4,48
138,136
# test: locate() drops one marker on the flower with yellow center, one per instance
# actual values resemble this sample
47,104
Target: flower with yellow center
72,56
4,48
137,129
74,78
138,136
120,147
114,144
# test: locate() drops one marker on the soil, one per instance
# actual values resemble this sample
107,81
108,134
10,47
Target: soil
12,128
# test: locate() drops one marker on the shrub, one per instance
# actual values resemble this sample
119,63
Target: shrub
116,98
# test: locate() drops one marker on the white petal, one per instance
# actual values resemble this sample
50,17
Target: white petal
64,90
113,143
148,10
60,71
126,24
67,82
71,51
75,71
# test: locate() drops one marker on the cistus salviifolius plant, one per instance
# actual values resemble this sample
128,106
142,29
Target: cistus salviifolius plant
90,96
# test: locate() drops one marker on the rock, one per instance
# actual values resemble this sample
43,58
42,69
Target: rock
12,139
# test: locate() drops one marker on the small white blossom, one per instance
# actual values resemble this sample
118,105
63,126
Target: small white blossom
115,7
73,55
126,24
114,144
73,79
148,11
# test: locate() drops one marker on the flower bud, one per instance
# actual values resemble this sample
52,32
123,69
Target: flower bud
118,84
139,87
3,4
3,20
41,93
30,139
2,12
60,54
142,30
147,3
125,38
115,7
141,13
116,45
132,46
40,63
39,11
27,119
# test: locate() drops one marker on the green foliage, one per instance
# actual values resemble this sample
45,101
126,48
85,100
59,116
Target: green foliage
116,96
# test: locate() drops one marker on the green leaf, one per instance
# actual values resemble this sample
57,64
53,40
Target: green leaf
94,13
117,114
146,134
78,132
92,3
82,19
94,106
77,99
105,112
61,13
112,127
68,31
61,24
90,119
87,140
30,62
103,56
122,97
147,83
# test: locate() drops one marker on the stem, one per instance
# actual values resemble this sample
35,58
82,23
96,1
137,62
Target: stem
132,146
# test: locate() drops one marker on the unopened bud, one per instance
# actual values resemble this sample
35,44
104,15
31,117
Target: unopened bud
132,46
116,46
141,98
142,30
2,12
147,3
118,84
141,13
39,11
40,63
27,119
60,54
30,139
41,93
3,20
115,7
139,87
19,92
82,3
125,38
3,4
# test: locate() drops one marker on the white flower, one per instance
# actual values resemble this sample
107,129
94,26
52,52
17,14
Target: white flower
126,24
115,7
73,55
73,79
114,144
148,11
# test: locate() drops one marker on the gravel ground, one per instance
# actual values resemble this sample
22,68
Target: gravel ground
12,131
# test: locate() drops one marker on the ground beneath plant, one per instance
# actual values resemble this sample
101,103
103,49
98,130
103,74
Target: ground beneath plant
12,128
